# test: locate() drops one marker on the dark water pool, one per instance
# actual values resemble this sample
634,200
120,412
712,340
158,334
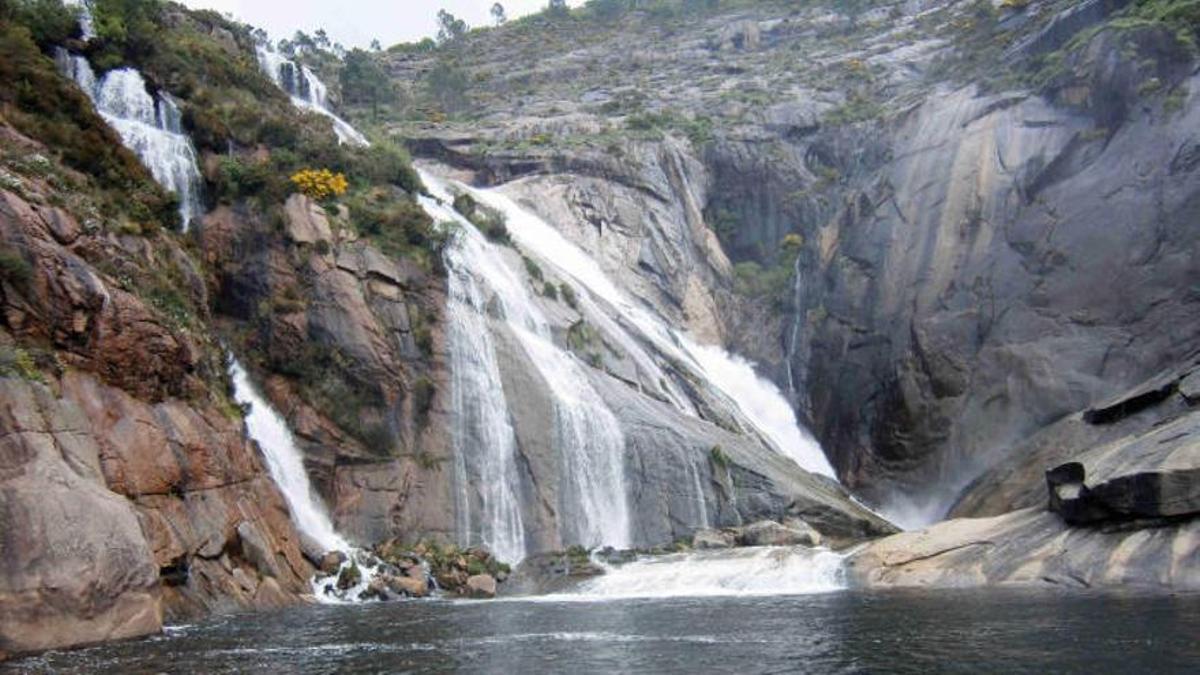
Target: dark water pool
968,632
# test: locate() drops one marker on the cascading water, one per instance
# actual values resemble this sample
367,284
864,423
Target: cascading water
701,502
746,571
587,435
481,420
149,126
286,465
87,27
307,91
759,400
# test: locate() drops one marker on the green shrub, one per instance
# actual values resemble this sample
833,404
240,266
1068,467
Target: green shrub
50,22
718,457
397,224
491,222
532,268
423,393
568,295
16,362
549,290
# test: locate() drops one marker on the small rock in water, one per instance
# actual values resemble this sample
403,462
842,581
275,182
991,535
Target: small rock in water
376,590
480,586
712,539
349,577
771,533
331,562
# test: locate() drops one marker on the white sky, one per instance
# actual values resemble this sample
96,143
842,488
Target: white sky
354,23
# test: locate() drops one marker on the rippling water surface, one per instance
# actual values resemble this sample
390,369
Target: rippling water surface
835,632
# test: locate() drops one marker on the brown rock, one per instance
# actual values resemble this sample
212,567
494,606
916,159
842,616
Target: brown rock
332,561
306,220
703,539
771,533
77,567
415,588
480,586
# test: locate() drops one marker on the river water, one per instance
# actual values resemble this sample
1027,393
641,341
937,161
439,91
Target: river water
840,632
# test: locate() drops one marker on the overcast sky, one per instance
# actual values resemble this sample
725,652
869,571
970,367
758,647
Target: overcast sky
354,23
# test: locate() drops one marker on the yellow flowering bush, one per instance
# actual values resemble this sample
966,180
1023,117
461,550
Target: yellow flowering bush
320,184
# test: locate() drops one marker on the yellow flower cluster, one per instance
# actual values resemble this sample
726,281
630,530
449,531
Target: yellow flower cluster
320,183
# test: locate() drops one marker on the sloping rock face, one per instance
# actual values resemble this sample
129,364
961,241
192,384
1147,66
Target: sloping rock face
78,567
681,473
1136,450
1119,511
1031,547
128,491
1016,262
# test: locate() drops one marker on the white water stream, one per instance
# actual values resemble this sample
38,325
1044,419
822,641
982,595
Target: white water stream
286,464
308,92
757,398
486,295
149,125
772,570
489,293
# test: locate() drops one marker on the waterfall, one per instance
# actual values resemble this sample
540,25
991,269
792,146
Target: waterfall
150,126
307,91
746,571
87,26
285,463
481,418
759,401
267,428
594,509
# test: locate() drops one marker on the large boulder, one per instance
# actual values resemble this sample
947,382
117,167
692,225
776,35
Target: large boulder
480,586
77,567
709,539
1155,475
408,586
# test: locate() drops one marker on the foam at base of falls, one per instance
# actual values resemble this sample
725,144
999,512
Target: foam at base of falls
793,570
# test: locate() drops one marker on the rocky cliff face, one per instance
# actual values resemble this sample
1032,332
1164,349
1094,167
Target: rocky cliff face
1015,261
993,205
130,494
354,339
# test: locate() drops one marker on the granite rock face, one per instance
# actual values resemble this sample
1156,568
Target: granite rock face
978,263
1031,547
129,492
